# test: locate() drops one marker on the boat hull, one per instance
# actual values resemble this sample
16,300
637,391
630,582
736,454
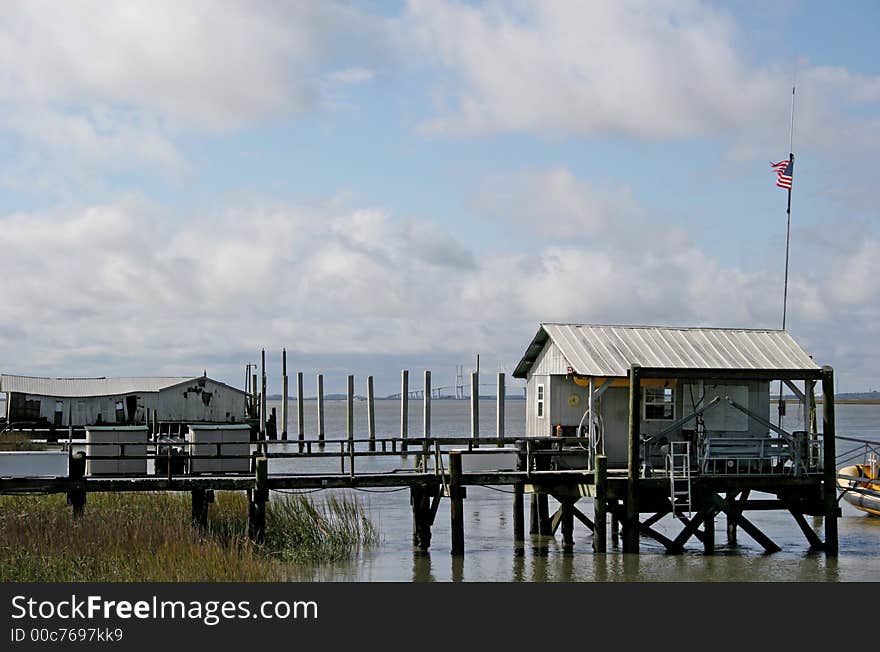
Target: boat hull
860,489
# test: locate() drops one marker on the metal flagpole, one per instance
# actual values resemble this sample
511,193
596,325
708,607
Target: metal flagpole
787,241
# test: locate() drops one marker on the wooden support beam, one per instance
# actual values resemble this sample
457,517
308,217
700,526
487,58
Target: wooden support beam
456,509
689,530
284,394
500,396
519,522
615,523
656,517
76,495
321,410
371,414
631,523
670,545
749,528
583,518
404,408
830,470
566,509
813,538
709,532
200,508
420,498
533,514
556,520
600,506
684,521
300,410
257,499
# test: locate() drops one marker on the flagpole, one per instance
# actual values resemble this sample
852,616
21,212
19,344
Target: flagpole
787,241
788,214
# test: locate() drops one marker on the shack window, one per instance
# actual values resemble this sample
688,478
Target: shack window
659,404
59,413
539,402
120,412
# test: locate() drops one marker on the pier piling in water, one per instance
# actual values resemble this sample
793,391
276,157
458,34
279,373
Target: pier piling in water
499,408
600,504
427,404
300,415
284,394
456,506
320,410
371,414
404,408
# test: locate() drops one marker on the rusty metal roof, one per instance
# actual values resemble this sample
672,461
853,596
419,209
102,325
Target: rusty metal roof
594,350
72,387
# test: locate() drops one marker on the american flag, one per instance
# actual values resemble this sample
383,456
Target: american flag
784,171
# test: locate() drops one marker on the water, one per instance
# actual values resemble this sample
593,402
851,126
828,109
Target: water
490,551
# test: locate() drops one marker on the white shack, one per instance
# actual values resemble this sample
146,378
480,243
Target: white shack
122,401
578,386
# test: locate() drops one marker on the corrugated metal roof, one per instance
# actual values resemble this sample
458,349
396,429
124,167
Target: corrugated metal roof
594,350
71,387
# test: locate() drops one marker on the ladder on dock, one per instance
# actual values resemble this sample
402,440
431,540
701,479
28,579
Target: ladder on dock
678,469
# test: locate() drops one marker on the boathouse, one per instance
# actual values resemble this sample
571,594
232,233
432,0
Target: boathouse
681,419
90,401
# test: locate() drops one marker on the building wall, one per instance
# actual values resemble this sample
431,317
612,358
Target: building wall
537,427
200,400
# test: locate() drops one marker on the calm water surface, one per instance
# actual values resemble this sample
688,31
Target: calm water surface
492,556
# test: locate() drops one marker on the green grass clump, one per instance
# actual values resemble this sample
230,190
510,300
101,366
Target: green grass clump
149,537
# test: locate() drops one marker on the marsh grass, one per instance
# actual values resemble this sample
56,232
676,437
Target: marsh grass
149,537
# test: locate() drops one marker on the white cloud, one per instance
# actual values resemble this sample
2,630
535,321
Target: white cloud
130,287
114,84
653,70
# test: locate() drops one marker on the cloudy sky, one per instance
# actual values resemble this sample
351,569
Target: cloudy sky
380,185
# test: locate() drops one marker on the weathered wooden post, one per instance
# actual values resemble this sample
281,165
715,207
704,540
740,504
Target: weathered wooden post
155,422
709,531
321,410
284,394
499,409
76,492
475,408
349,411
456,505
255,398
631,525
566,508
263,413
731,522
830,462
404,408
427,406
200,500
371,414
300,416
258,496
519,516
600,506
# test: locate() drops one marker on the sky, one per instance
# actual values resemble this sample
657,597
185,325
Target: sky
388,185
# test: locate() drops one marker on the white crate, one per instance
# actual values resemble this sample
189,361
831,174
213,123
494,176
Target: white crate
480,460
234,439
104,441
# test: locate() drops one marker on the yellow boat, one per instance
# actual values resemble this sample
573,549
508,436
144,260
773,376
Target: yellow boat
861,486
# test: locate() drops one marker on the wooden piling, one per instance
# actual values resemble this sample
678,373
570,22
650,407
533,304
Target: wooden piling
475,407
349,410
76,495
830,467
255,397
300,406
533,514
258,496
404,408
321,410
631,524
519,522
600,504
499,408
427,404
731,522
566,508
709,532
200,508
456,507
371,414
263,413
615,524
284,394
